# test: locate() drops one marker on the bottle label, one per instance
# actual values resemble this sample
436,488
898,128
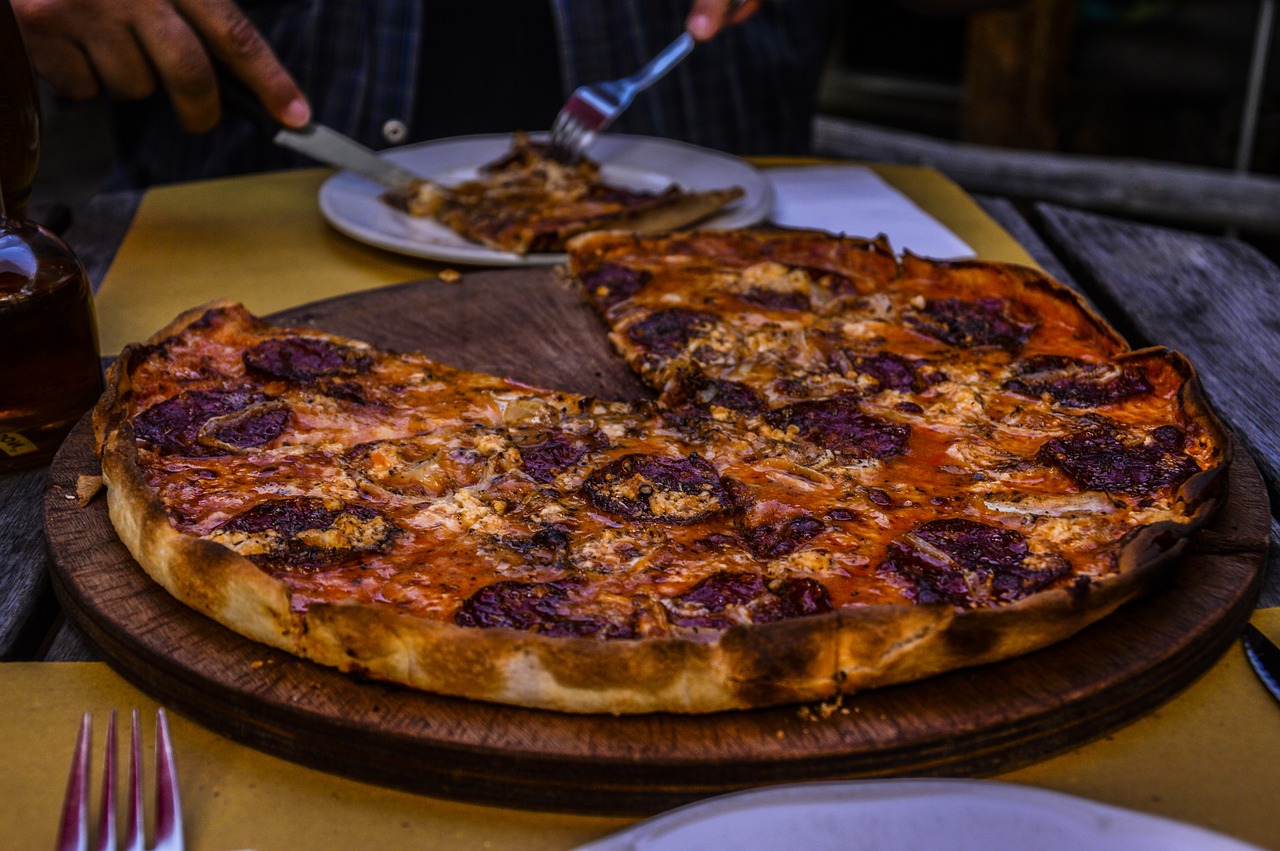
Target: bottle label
12,443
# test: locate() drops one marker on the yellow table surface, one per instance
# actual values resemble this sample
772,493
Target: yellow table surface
1210,756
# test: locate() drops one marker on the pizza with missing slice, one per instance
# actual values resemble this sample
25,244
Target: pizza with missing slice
526,202
857,469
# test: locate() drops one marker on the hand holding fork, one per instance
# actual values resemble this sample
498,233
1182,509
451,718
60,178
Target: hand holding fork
593,107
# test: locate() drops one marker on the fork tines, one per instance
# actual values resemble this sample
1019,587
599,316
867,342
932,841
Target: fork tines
574,129
73,832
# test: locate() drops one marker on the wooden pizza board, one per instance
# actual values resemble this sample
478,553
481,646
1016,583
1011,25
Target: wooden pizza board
525,324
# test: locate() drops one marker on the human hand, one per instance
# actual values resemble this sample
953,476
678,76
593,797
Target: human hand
131,48
708,17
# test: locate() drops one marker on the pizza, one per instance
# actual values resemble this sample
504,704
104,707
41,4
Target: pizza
855,469
527,202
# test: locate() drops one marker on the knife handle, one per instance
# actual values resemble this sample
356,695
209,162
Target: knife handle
239,100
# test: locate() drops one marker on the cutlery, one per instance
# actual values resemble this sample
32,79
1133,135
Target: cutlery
593,107
73,834
317,141
1264,656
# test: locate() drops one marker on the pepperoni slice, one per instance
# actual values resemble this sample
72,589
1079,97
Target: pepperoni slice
726,598
545,459
660,489
211,422
543,607
966,563
305,532
838,424
612,283
667,332
1075,383
980,323
305,358
1098,460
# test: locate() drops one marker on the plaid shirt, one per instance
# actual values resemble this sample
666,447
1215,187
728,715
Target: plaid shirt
751,90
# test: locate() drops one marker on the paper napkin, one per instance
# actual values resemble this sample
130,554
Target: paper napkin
855,201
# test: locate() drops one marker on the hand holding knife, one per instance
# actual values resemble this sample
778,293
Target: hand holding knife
317,141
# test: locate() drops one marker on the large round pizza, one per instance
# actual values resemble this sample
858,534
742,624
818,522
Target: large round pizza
856,469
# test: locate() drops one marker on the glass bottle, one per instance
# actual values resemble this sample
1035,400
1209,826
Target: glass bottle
50,371
19,117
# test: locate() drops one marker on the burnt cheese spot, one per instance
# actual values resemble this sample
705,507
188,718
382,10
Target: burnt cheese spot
972,324
1074,383
305,532
695,394
966,563
549,608
544,459
891,372
777,299
668,332
1098,459
661,489
727,598
548,545
611,283
212,422
782,537
838,424
305,358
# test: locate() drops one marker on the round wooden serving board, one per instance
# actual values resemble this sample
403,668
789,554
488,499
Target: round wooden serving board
524,324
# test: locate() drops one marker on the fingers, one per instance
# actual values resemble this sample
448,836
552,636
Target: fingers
58,34
184,69
128,49
708,17
233,41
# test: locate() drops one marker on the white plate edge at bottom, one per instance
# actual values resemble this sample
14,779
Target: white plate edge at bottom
1109,827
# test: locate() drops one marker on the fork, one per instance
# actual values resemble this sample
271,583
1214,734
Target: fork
73,835
593,107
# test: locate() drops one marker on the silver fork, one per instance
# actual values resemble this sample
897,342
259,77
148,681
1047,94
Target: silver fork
73,835
593,107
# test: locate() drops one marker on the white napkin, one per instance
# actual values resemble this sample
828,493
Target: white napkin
855,201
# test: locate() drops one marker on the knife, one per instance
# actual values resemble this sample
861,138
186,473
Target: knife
317,141
1264,656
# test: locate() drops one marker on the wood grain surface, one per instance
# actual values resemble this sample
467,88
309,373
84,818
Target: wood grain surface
522,323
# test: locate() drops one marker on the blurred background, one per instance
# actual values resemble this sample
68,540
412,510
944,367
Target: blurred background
1161,80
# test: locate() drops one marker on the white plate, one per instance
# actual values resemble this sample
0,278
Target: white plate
353,205
909,815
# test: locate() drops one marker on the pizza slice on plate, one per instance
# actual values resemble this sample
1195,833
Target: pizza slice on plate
527,202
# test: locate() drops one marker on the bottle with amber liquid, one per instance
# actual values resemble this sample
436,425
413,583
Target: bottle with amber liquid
50,371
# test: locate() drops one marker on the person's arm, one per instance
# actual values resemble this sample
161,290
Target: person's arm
131,48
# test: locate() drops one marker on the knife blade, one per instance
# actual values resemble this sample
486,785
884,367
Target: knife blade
1264,656
321,143
333,148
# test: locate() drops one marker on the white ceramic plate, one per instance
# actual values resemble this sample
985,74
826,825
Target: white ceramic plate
909,815
353,205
